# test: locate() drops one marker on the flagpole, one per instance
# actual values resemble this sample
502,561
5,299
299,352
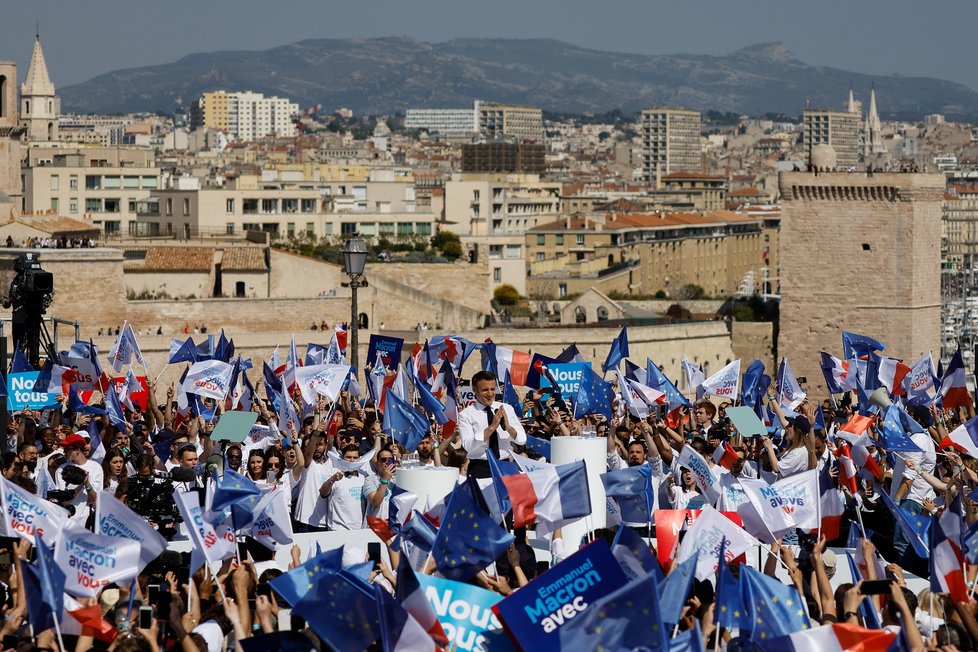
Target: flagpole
160,374
57,630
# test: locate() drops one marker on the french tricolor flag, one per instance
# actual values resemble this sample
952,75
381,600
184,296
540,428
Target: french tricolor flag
954,388
517,363
830,504
946,561
964,438
412,598
837,637
725,456
891,373
550,496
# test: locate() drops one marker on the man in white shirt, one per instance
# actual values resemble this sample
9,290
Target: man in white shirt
909,484
310,508
344,492
87,492
487,425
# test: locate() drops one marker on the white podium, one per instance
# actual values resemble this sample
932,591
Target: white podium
594,452
429,483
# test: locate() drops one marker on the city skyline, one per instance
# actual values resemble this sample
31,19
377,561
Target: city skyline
870,38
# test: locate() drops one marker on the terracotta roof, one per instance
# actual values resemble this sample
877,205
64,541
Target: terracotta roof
243,259
745,192
178,259
57,225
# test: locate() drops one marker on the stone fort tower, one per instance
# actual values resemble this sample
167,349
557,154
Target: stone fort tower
862,253
10,133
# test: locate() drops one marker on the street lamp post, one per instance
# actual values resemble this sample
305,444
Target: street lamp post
354,260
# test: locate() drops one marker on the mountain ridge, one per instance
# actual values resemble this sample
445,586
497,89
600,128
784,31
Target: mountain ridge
391,74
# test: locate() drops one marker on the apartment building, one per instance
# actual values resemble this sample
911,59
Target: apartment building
509,122
448,123
245,116
840,129
671,142
97,184
959,242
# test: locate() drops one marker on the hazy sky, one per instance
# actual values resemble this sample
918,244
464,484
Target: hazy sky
910,37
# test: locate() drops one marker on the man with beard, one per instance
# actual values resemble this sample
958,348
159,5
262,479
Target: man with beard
27,453
428,452
85,493
633,511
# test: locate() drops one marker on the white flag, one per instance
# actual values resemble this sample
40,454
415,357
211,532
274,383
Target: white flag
921,378
211,378
706,479
114,519
646,393
126,389
206,540
790,394
694,374
125,349
724,383
90,561
325,379
705,537
636,406
23,513
272,523
786,504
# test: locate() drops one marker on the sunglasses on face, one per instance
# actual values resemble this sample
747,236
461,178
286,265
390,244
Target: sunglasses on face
234,457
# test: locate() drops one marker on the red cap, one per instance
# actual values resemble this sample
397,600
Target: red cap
73,441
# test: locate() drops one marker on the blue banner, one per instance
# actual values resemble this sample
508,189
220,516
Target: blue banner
534,615
568,377
464,611
389,349
21,394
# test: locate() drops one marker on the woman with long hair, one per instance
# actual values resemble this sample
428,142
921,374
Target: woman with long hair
255,470
114,470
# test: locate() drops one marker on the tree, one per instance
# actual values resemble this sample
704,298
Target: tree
442,238
506,295
690,292
452,250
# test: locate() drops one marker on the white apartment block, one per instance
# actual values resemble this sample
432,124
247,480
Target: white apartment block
671,140
509,122
450,123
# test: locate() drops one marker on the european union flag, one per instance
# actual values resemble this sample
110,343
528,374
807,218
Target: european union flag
658,380
341,613
185,352
895,438
224,349
730,610
405,424
674,591
594,396
294,584
632,488
232,489
626,619
776,608
618,350
751,383
539,446
431,404
855,345
468,539
78,406
915,527
626,539
19,363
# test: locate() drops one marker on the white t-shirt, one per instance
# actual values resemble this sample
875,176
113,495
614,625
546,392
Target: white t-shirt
920,490
346,503
80,501
793,462
310,508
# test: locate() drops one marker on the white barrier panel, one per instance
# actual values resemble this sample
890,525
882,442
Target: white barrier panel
428,483
594,452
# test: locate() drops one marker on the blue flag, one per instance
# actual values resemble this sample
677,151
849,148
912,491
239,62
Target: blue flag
657,380
539,446
626,619
626,539
113,408
594,396
183,351
45,587
895,438
632,488
855,345
690,640
78,406
535,375
871,619
224,350
19,363
298,581
271,380
866,408
776,608
570,354
675,590
232,489
419,531
618,350
730,610
510,396
429,402
341,612
819,419
751,383
915,526
405,424
498,469
468,539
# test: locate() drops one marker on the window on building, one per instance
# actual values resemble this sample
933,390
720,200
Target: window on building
310,228
113,205
348,228
541,239
169,205
131,204
422,228
93,182
386,228
55,182
149,182
229,228
130,182
497,274
249,206
368,229
562,290
495,251
93,205
290,229
405,228
111,182
186,206
541,256
514,251
229,206
269,206
54,204
73,182
73,205
559,239
308,205
580,239
290,205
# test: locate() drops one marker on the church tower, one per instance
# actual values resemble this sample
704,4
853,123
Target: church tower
11,196
39,106
874,130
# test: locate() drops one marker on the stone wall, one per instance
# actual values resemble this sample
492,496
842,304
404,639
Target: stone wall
754,340
860,253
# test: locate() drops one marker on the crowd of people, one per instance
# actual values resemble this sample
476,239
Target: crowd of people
337,468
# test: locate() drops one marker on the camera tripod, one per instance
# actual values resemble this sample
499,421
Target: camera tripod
33,338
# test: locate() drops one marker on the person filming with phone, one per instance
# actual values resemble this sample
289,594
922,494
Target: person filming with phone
488,425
